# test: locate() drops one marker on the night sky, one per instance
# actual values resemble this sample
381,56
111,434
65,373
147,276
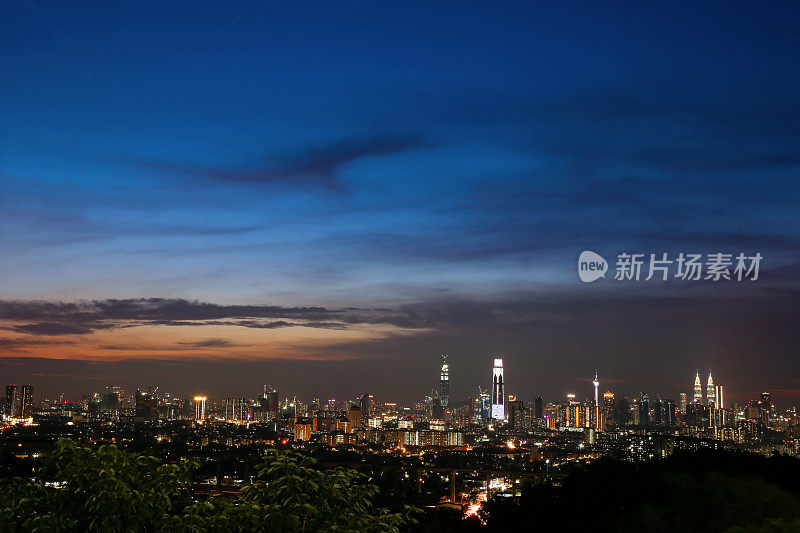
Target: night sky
325,196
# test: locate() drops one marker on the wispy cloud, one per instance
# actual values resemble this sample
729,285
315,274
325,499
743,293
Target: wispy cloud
315,167
211,343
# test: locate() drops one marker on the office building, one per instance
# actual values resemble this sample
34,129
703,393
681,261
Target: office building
498,391
444,382
200,408
18,402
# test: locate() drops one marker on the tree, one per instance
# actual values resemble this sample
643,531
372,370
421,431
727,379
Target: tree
107,489
110,490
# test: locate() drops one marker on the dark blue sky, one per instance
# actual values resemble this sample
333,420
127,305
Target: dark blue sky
444,162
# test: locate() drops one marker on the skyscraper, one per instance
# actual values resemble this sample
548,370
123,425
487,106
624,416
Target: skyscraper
483,405
698,389
268,403
596,384
146,406
18,402
644,410
718,396
444,382
234,409
520,416
354,417
538,407
667,413
711,398
683,402
199,408
765,407
366,408
608,406
498,391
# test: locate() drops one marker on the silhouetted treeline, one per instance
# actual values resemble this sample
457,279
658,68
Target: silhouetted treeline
706,491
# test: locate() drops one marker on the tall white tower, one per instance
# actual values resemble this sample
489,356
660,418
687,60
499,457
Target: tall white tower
498,391
596,390
711,396
444,382
698,389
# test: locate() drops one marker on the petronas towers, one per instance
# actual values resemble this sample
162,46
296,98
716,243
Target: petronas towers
711,394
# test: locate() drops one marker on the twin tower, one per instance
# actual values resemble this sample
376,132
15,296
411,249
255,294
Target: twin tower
711,393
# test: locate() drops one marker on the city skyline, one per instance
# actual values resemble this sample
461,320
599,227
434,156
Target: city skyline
712,394
211,199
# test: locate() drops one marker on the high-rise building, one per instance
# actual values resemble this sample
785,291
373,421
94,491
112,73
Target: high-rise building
644,410
108,402
235,409
18,402
596,384
354,417
765,407
520,416
444,382
608,406
146,407
482,407
538,407
624,411
683,402
667,413
719,397
366,408
698,389
710,392
200,408
268,404
498,391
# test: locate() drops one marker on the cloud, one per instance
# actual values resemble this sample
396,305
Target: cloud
84,317
22,342
551,340
211,343
317,166
56,328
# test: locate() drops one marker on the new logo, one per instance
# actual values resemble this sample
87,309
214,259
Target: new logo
591,266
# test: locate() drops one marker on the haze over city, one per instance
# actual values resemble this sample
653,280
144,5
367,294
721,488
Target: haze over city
209,200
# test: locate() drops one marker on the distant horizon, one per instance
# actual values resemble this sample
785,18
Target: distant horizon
605,386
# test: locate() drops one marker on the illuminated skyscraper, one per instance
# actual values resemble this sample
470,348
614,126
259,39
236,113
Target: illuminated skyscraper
444,382
483,405
698,389
683,402
366,408
18,402
498,391
719,397
765,407
235,409
268,404
710,393
199,408
608,406
596,384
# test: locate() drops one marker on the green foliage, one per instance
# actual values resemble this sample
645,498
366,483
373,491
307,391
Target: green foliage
98,490
110,490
